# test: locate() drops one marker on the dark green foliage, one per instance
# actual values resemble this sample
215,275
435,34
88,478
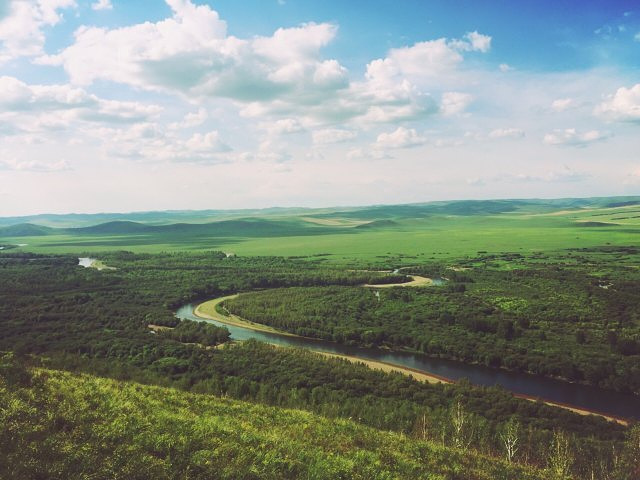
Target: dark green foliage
205,334
549,316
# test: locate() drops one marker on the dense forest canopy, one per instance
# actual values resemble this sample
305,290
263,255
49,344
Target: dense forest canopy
57,314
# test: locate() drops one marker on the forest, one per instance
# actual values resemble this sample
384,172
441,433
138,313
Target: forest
575,317
57,315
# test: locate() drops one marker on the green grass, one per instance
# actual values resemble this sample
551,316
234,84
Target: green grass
441,237
79,426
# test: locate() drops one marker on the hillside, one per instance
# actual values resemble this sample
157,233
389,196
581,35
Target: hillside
60,426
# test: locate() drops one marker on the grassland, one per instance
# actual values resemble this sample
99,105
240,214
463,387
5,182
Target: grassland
58,425
405,235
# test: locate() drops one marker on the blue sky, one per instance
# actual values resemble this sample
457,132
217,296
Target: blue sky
109,105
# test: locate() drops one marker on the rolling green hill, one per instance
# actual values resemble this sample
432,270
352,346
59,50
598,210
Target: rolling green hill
403,233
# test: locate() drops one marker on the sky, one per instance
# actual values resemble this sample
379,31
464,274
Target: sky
117,106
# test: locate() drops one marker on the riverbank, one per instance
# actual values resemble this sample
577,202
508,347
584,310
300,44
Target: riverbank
211,310
417,281
93,263
574,409
433,378
389,367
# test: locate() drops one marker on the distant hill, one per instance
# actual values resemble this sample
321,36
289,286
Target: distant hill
248,227
112,228
273,222
25,230
622,204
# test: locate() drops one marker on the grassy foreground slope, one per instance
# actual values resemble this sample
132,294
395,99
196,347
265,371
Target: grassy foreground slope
60,425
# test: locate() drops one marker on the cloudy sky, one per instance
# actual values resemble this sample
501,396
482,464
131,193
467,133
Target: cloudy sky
113,105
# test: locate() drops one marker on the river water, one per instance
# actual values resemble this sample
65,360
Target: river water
581,396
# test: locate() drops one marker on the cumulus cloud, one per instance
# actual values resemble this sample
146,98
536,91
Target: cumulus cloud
282,126
153,142
190,53
454,102
433,56
572,137
332,135
38,101
190,120
623,106
21,29
282,75
400,138
562,104
506,133
102,5
208,142
474,41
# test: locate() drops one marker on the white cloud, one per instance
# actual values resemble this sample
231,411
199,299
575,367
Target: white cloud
400,138
478,42
637,37
102,5
282,74
562,104
21,30
572,137
282,126
209,142
433,56
506,133
623,106
62,104
33,165
191,119
190,53
504,67
422,58
455,102
332,135
151,142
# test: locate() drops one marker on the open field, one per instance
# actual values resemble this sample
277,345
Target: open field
414,233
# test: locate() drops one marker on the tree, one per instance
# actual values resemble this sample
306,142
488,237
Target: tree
510,436
462,433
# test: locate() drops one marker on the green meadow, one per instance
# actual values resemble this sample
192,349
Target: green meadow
369,234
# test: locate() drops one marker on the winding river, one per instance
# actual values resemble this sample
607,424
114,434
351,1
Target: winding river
568,394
